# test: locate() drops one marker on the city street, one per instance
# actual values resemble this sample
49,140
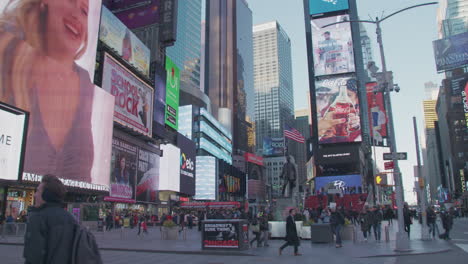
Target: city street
453,252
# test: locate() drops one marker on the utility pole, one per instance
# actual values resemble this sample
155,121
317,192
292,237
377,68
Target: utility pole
421,188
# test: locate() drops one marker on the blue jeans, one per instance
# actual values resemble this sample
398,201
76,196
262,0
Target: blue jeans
433,228
336,229
377,231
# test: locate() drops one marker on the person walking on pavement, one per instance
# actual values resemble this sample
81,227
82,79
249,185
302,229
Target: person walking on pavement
255,227
292,239
336,222
364,219
447,223
432,221
264,231
407,219
50,228
377,223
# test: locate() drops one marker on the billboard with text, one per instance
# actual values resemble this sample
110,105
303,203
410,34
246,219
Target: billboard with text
172,94
135,13
273,146
451,52
327,6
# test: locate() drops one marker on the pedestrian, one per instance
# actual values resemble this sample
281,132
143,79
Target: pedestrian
364,219
407,219
447,223
292,239
336,223
109,220
377,223
50,229
255,227
432,221
264,231
190,220
390,215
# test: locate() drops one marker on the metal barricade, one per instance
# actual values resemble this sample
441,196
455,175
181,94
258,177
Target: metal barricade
12,229
387,234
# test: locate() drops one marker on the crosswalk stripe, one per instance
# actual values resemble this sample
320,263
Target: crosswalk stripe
463,247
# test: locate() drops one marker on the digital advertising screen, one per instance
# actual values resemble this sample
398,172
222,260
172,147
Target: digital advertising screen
188,154
169,174
451,52
273,146
135,13
13,133
205,181
172,94
120,38
464,94
377,114
71,120
327,6
186,120
345,183
133,97
338,110
159,93
147,176
333,155
332,46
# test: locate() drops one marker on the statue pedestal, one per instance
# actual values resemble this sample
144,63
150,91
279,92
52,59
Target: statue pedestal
283,205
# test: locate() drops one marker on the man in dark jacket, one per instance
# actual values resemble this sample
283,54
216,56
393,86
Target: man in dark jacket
292,239
407,219
447,222
264,230
432,221
336,222
50,229
377,223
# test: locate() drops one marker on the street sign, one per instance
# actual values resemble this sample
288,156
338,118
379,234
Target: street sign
389,165
395,156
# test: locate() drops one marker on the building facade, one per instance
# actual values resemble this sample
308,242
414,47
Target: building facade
274,167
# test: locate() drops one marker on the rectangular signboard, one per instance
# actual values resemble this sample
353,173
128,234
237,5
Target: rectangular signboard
187,163
117,36
273,146
464,93
395,156
377,114
327,6
332,46
338,110
124,168
169,173
342,183
451,52
135,13
147,176
205,181
133,97
172,94
338,155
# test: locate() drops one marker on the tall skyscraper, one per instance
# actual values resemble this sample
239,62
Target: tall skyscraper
274,102
299,150
186,51
452,17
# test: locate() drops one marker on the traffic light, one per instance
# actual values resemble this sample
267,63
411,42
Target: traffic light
381,179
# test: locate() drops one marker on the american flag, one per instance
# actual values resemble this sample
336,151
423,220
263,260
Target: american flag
293,134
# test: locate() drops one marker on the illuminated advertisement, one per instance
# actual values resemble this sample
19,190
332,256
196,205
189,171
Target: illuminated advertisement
377,114
326,6
332,46
124,168
172,94
451,52
215,123
135,13
214,150
159,93
345,183
147,176
231,180
338,110
333,155
273,146
310,168
133,97
186,120
205,181
12,139
214,135
169,175
249,157
188,154
117,36
464,94
69,115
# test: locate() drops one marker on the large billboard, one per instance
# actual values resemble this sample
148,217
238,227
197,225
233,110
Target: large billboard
169,173
47,65
133,97
377,115
205,181
188,154
12,141
117,36
333,155
332,46
172,94
327,6
464,94
345,184
338,110
451,52
159,93
186,120
124,169
135,13
273,146
147,176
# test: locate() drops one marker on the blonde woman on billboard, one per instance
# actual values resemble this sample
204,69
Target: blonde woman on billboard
40,42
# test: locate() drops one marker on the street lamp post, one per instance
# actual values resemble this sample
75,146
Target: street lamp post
402,242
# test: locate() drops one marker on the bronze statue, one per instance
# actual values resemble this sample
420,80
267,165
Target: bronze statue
289,175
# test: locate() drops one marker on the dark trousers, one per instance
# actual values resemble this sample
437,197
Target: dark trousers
296,247
408,229
336,229
256,238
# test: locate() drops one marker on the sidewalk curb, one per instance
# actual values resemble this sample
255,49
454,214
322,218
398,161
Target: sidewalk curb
407,254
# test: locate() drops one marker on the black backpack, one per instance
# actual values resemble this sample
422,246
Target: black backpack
85,249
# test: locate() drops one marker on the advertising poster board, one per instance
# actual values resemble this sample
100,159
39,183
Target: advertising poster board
117,36
169,173
135,13
172,94
188,154
133,97
338,155
159,93
68,124
205,181
124,167
346,184
377,115
273,146
327,6
223,234
451,52
147,176
332,46
338,110
464,93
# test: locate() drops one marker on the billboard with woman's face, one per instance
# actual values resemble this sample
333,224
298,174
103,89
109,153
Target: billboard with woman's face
123,171
47,58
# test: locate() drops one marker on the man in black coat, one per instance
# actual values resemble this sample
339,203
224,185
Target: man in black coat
50,228
292,239
407,219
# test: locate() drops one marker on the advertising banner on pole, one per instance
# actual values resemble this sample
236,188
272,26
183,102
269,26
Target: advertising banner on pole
117,36
71,119
377,115
172,94
133,97
338,110
451,52
332,46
